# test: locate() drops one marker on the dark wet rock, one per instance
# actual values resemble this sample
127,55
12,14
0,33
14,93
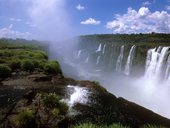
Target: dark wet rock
40,77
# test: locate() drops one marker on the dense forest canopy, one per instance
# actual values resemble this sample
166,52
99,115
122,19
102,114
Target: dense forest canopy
138,39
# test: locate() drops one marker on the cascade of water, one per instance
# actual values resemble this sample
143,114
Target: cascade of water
129,60
99,48
151,62
79,95
98,60
87,60
155,62
161,61
119,60
103,51
167,71
159,49
78,54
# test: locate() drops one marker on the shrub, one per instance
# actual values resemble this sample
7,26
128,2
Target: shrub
5,71
24,118
36,63
27,65
15,64
51,100
52,67
40,55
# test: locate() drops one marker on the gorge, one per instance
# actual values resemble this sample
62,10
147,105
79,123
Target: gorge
138,71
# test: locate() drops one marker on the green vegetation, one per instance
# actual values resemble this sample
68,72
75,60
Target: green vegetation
46,110
24,118
23,55
52,67
52,101
120,39
27,65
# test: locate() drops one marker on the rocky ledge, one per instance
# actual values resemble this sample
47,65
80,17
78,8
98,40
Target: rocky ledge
91,103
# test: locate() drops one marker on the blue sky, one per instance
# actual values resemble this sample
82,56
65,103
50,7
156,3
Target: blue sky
51,19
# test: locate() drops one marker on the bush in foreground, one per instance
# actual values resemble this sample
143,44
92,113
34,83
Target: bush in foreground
24,118
52,67
27,65
15,64
5,71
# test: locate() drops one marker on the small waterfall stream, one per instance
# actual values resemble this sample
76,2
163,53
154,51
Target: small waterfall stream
119,60
98,60
129,60
99,48
79,53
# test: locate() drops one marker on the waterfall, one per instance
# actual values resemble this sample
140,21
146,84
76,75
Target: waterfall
129,60
155,62
151,62
99,48
167,71
79,95
119,60
161,61
78,54
103,51
87,60
98,59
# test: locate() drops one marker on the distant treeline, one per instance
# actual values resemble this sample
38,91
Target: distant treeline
138,39
7,43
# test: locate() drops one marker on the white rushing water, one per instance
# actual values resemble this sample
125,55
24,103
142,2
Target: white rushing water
155,63
119,60
129,60
87,60
99,48
98,60
79,95
150,90
167,71
103,51
79,53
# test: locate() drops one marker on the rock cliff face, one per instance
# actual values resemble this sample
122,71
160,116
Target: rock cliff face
130,59
87,101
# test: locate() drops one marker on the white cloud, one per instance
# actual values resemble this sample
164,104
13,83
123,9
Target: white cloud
90,21
146,3
8,32
142,20
80,7
15,19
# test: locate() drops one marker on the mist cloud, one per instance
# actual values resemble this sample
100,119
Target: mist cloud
50,18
